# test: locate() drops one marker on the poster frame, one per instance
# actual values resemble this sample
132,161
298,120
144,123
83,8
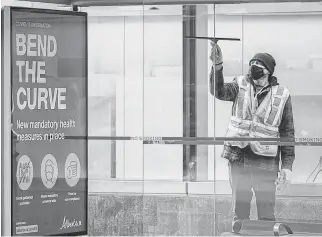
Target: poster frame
6,105
6,209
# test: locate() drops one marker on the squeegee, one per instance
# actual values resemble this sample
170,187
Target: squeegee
212,38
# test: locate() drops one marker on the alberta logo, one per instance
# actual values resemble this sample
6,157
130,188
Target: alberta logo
68,224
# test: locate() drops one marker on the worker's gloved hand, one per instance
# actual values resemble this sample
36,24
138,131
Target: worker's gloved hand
216,55
284,179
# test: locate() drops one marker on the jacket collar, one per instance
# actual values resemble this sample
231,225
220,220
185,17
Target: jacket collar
273,81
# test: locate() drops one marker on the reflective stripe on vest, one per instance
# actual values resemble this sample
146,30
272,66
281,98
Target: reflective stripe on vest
241,108
263,122
274,114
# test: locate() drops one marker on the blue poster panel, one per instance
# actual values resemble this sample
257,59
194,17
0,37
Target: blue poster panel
49,122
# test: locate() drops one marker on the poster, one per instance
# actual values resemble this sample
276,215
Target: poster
49,122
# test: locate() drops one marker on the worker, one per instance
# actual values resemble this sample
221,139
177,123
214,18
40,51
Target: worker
261,109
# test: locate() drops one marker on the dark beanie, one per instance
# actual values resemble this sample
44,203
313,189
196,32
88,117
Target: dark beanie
267,60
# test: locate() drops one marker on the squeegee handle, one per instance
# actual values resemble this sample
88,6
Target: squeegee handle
213,39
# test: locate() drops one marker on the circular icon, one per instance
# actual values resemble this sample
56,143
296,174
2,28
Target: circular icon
49,171
25,172
72,170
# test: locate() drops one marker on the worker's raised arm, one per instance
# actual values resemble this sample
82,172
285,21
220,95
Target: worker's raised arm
222,91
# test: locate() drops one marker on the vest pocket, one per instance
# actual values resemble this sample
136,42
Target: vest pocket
231,134
264,150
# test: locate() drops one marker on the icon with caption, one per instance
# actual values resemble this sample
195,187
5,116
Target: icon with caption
72,170
49,171
25,172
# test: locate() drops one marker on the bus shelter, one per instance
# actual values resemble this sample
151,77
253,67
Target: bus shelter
154,131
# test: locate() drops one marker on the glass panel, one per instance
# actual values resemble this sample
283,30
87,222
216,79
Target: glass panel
115,36
176,89
106,71
298,69
163,90
290,32
294,62
115,92
226,26
176,108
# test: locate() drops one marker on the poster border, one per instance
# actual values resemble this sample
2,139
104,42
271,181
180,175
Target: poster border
68,13
6,122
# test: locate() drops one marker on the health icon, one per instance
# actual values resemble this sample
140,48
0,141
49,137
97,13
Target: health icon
49,171
72,170
24,172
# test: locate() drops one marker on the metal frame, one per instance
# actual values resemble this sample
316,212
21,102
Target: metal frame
88,3
189,91
6,123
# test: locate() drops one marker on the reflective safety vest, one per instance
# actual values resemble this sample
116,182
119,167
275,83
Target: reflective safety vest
252,121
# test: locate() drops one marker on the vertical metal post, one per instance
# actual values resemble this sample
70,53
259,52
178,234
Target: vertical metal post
214,98
6,122
189,91
113,142
202,91
214,101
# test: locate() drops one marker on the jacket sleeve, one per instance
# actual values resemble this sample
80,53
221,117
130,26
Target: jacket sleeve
286,131
221,90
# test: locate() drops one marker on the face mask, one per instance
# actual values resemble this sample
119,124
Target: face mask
256,72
